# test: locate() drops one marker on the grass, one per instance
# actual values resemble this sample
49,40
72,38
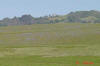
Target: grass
48,61
50,45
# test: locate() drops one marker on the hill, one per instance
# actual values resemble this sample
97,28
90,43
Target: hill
73,17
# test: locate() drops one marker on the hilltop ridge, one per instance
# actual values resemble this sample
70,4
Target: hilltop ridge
91,16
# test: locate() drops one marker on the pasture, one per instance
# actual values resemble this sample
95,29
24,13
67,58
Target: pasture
50,45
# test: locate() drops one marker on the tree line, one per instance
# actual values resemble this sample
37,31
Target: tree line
91,16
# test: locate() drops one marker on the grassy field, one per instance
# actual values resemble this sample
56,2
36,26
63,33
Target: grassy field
50,45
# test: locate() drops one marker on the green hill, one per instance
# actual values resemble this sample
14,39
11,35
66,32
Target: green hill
72,17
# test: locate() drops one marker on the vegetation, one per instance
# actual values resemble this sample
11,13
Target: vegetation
60,44
73,17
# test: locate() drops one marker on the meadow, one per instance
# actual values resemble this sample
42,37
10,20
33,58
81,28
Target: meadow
50,45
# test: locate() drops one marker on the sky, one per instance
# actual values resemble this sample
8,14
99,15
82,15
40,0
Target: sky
37,8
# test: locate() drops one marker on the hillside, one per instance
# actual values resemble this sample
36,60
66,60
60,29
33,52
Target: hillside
78,16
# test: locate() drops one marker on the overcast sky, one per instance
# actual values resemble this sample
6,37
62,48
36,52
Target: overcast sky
11,8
